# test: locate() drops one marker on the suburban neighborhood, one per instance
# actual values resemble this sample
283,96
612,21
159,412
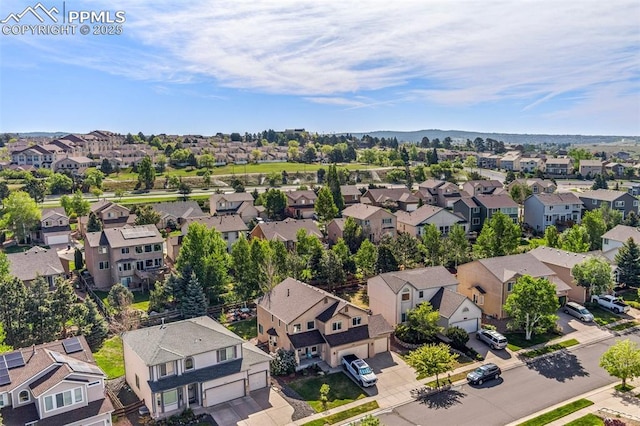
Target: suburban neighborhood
239,278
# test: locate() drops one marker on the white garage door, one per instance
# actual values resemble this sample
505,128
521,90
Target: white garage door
224,393
257,380
359,351
57,239
380,345
470,325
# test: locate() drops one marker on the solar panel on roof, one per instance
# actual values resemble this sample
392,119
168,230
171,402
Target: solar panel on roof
14,359
4,372
72,345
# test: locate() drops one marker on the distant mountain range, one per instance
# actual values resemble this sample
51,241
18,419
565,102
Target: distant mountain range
512,138
40,134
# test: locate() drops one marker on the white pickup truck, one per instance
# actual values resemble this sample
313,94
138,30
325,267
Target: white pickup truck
616,304
360,370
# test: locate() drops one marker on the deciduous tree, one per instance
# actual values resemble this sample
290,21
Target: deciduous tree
366,258
146,215
594,274
575,239
456,246
499,237
325,206
146,173
432,360
622,360
595,226
21,214
551,236
532,305
433,245
352,234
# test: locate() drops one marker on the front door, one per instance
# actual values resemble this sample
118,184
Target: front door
192,390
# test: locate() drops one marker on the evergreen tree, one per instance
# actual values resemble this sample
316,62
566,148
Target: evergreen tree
334,185
146,215
93,325
13,315
119,298
406,249
64,299
331,271
325,206
352,234
386,261
93,223
628,261
40,313
433,245
79,205
106,167
146,173
78,259
195,302
632,219
242,268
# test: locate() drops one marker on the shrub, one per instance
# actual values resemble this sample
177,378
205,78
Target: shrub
613,422
283,363
407,334
489,327
459,337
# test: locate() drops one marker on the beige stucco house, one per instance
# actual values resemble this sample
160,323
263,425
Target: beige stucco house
376,222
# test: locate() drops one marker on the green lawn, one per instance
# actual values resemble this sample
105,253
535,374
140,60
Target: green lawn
550,348
517,340
603,316
588,420
342,390
110,357
140,299
558,413
624,325
344,415
454,378
246,329
625,388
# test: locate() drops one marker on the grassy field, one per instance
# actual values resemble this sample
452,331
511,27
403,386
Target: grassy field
110,357
558,413
342,390
246,329
517,340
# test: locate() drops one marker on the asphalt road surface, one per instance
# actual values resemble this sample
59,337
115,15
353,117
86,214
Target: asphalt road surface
520,391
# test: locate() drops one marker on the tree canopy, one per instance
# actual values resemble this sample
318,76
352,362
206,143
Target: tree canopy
622,360
21,214
594,274
500,236
432,360
532,305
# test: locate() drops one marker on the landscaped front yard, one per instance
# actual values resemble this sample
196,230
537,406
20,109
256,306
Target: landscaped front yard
247,329
517,340
603,316
342,390
110,357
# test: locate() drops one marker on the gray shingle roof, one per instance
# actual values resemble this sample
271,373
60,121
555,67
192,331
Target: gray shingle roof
558,198
285,230
360,211
33,262
350,190
422,214
180,209
177,340
602,194
227,223
232,197
623,233
447,302
420,278
116,236
496,201
506,267
555,256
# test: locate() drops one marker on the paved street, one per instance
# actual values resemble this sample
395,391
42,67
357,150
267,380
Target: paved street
520,392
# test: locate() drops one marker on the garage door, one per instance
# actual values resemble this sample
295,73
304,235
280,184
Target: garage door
359,351
224,393
380,345
57,239
257,380
470,326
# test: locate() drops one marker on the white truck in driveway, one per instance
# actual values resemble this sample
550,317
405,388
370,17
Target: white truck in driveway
359,370
613,303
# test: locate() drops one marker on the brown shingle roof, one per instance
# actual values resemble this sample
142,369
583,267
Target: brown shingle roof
496,201
360,211
285,230
420,278
228,223
558,198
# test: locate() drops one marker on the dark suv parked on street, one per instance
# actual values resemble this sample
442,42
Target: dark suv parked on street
483,373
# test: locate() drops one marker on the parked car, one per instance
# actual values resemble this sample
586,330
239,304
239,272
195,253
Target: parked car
578,311
360,370
483,373
492,338
616,304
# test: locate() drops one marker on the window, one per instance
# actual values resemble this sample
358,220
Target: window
403,317
24,396
157,247
566,207
311,325
510,286
124,266
475,221
594,201
47,223
124,250
635,203
606,241
62,399
92,384
147,248
406,295
478,299
366,223
297,328
170,397
386,221
421,294
188,364
3,399
102,250
148,263
260,329
356,321
619,204
138,249
226,354
140,265
465,309
337,326
103,265
166,369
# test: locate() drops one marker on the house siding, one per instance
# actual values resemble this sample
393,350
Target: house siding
474,273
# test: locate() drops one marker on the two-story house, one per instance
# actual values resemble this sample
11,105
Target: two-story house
300,204
560,166
350,193
482,187
230,227
393,294
615,238
488,282
130,255
469,209
36,262
623,202
510,161
491,204
110,214
376,222
531,164
176,213
391,198
54,227
285,230
591,168
414,222
56,383
318,325
444,193
560,209
536,185
76,165
191,363
240,203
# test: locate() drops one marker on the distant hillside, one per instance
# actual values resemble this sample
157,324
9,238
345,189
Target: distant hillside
511,138
40,134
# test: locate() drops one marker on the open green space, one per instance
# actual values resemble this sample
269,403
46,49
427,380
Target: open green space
517,340
246,329
588,420
550,348
342,390
344,415
558,413
140,299
110,357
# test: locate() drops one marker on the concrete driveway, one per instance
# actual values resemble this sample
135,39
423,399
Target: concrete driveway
264,407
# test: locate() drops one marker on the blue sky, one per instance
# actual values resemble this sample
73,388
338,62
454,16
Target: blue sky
201,67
